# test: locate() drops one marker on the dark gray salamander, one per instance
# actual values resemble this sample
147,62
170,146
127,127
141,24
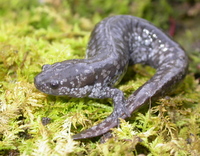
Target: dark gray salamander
115,43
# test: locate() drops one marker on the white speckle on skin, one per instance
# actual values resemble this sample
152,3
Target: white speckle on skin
72,83
86,71
145,33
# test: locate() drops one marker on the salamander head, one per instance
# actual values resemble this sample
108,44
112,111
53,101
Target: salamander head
72,77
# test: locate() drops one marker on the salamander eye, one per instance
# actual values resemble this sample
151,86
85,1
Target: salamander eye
54,84
45,67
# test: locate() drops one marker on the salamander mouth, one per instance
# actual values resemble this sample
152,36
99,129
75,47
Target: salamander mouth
36,82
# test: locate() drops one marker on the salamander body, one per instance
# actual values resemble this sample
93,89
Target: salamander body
115,43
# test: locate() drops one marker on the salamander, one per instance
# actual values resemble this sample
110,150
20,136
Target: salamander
115,43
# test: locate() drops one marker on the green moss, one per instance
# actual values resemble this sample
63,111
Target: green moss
34,34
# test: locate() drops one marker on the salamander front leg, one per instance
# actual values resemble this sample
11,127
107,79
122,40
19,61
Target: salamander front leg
115,94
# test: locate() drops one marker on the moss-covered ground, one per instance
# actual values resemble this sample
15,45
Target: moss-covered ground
33,33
